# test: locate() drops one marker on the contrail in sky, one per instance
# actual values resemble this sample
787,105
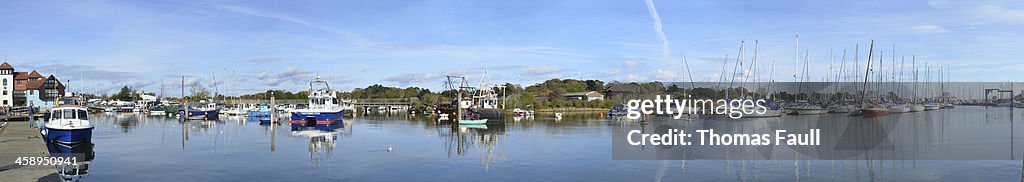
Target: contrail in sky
657,29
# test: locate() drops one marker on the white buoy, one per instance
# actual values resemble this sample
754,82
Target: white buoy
558,116
389,148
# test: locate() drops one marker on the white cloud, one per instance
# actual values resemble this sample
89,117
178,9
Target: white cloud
653,12
291,19
928,29
612,72
631,63
666,76
289,74
1001,14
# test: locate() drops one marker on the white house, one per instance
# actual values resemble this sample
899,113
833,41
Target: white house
588,96
6,84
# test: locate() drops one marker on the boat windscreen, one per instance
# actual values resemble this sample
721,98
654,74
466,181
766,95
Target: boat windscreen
69,114
56,115
83,114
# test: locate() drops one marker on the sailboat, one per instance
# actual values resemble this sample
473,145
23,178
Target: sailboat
946,104
899,106
771,111
842,106
804,107
873,109
930,103
915,106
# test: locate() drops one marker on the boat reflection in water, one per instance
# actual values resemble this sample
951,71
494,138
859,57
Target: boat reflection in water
82,154
485,138
322,139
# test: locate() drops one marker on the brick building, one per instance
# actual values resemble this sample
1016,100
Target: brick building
17,86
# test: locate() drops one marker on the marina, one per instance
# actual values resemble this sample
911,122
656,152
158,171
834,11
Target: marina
644,90
131,146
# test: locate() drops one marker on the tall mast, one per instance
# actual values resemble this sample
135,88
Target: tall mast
739,64
878,83
842,68
856,60
892,76
721,77
796,57
867,72
903,61
686,67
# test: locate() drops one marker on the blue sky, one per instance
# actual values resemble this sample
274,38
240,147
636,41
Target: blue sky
103,45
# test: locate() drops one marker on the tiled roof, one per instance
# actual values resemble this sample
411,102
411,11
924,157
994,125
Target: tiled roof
34,84
35,74
20,75
6,66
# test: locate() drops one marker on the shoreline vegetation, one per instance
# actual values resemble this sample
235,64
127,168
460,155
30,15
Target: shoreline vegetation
547,96
542,96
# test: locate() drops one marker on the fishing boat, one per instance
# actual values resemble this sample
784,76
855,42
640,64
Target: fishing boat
207,111
158,111
324,112
461,110
237,110
348,107
262,111
123,106
469,116
68,125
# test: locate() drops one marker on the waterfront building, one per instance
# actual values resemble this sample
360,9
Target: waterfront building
588,96
19,89
7,84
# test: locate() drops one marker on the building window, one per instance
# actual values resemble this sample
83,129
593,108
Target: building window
5,102
18,82
5,82
5,92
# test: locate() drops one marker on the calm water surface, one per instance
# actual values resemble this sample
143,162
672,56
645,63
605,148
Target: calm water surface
133,147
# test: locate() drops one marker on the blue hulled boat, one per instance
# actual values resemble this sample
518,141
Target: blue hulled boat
324,111
69,126
262,111
209,111
618,110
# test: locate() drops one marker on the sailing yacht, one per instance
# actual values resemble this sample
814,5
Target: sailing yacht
899,105
803,107
872,109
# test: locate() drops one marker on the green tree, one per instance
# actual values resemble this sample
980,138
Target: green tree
125,94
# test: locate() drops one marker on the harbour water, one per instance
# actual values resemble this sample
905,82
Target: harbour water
135,147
